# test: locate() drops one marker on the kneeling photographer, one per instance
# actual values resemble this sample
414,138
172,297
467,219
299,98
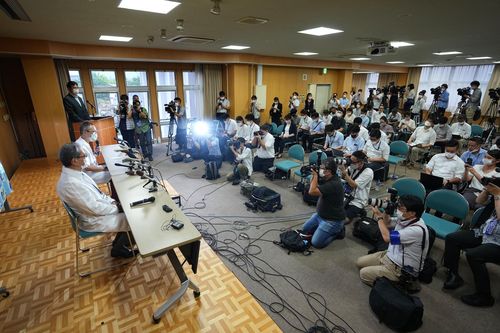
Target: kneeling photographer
327,224
242,161
358,179
404,258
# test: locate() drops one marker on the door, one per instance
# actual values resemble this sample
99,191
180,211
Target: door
322,97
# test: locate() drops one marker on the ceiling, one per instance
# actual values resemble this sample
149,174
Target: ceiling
445,25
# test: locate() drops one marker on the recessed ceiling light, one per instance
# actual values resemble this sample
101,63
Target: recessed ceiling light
305,53
235,47
359,59
447,53
478,58
153,6
425,65
395,62
320,31
115,38
401,44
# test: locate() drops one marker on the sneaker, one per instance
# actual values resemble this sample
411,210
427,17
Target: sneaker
236,182
478,300
304,236
203,176
453,281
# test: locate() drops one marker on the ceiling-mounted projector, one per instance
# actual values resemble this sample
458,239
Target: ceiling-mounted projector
380,49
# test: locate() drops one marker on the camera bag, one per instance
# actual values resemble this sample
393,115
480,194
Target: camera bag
264,199
274,173
177,157
292,241
211,170
395,307
367,229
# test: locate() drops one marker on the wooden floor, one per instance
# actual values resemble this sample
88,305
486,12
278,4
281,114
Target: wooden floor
37,266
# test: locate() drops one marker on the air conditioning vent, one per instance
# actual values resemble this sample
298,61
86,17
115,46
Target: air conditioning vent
252,20
14,10
191,40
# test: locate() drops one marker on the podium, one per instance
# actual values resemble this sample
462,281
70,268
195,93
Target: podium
106,132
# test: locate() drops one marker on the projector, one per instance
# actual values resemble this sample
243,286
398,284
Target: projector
380,49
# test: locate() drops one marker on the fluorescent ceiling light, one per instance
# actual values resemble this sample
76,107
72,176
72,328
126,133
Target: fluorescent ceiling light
401,44
115,38
154,6
360,59
425,65
395,62
478,58
320,31
236,47
305,53
496,62
447,53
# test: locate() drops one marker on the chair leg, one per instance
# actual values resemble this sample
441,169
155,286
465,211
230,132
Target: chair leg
394,172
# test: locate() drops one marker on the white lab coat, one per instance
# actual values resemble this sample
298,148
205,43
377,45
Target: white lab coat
95,209
100,177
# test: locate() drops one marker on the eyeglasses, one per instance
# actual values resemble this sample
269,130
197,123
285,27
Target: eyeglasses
81,156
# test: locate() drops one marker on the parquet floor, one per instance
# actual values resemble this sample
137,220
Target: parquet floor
37,266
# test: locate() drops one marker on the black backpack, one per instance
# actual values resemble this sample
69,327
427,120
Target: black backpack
395,307
367,229
430,265
211,170
264,199
177,157
291,241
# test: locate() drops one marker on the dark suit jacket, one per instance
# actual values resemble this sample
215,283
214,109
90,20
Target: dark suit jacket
76,112
292,130
275,117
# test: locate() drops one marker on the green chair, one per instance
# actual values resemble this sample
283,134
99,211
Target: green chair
447,202
274,128
313,159
399,153
476,130
410,186
81,235
279,129
296,152
475,217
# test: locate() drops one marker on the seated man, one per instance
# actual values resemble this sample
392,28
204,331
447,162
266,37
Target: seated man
421,141
353,142
303,126
365,119
338,121
387,129
443,133
264,157
474,174
363,132
242,130
383,136
481,246
230,126
377,152
377,114
333,142
404,241
98,173
97,211
447,165
327,117
327,224
242,162
461,130
394,118
316,131
474,153
358,179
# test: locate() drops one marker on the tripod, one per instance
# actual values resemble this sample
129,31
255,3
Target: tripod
432,109
459,110
171,124
491,112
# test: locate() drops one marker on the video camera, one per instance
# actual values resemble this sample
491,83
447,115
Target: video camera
494,94
390,205
436,92
463,91
170,108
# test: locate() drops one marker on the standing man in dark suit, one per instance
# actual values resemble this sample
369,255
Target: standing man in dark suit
75,108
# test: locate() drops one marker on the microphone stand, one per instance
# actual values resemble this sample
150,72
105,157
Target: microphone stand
151,179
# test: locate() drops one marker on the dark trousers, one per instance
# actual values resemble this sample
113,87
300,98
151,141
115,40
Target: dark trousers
440,144
378,170
181,137
279,143
129,136
146,144
477,256
262,164
440,113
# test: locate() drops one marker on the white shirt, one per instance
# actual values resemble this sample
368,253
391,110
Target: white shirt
475,183
446,168
377,100
242,132
411,238
423,136
380,149
295,103
363,133
384,137
100,177
77,99
410,124
305,122
246,159
230,126
362,191
327,119
252,129
94,208
463,130
224,105
376,116
418,105
268,152
255,109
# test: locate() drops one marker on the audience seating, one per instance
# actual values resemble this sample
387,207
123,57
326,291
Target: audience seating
279,129
476,130
296,152
410,186
475,217
313,158
274,128
399,153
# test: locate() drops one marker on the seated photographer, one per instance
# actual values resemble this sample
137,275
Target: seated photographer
387,129
338,121
377,151
461,130
303,126
474,153
404,258
327,224
447,165
363,132
421,141
353,142
443,133
252,127
358,179
289,134
481,245
475,174
242,162
264,156
241,129
316,131
333,142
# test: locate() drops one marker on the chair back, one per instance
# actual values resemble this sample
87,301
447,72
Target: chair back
410,186
296,152
476,130
274,128
475,217
448,202
279,129
313,157
72,215
399,148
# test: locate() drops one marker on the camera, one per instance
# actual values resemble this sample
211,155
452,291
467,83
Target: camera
123,107
342,161
494,94
170,108
306,170
389,206
463,91
261,133
490,180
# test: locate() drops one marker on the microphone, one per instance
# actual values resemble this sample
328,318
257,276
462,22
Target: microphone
92,105
125,165
131,160
143,201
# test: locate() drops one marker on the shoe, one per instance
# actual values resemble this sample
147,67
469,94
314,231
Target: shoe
341,234
478,300
304,236
236,182
150,158
203,176
453,281
123,252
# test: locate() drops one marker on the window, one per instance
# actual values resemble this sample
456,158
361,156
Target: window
74,75
166,92
105,91
371,82
137,84
456,77
193,97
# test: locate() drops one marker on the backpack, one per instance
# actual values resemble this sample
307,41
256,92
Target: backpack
367,229
292,241
247,187
211,170
394,307
177,157
264,199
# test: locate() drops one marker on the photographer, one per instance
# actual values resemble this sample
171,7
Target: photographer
264,142
338,120
255,109
127,124
252,127
223,106
473,102
276,111
179,112
475,174
241,129
242,162
356,98
377,152
304,126
410,98
143,130
404,256
353,142
377,99
333,102
359,180
481,245
443,99
327,224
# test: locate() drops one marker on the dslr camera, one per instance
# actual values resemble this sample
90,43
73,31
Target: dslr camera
389,206
342,161
490,180
123,107
494,94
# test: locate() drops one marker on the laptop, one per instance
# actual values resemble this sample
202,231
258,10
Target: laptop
431,182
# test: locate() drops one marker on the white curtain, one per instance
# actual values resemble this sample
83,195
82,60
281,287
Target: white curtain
371,82
456,77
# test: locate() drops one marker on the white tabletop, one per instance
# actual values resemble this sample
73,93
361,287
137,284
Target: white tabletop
146,220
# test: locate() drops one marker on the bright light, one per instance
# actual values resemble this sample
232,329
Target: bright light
447,53
395,62
235,47
496,62
425,65
115,38
201,128
401,44
305,53
154,6
478,58
320,31
360,59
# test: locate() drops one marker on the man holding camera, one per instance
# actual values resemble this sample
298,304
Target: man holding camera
127,124
327,224
255,109
242,162
223,106
404,256
473,102
442,102
264,142
143,129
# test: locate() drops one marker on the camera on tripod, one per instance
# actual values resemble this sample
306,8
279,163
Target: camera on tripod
390,205
463,91
170,108
436,92
494,94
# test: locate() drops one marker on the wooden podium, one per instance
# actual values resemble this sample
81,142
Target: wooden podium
105,130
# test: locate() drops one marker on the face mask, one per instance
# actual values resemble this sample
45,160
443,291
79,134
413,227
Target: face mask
399,214
253,100
294,97
374,142
309,98
442,125
75,91
339,114
222,98
487,161
449,155
93,137
321,173
344,96
239,124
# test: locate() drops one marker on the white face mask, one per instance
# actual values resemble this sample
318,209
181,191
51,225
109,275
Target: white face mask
75,91
222,98
93,137
339,114
449,155
239,123
321,173
177,104
399,214
487,161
